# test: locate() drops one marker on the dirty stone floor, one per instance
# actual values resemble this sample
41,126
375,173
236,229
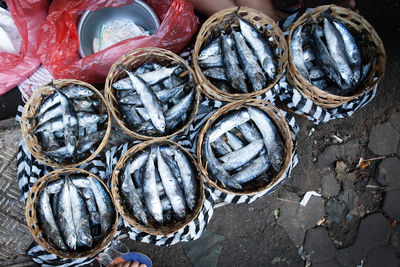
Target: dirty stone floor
355,221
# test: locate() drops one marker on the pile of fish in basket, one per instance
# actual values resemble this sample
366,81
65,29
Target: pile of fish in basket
244,148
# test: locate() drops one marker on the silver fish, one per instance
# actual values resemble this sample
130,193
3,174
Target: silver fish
234,141
171,186
214,167
260,46
150,102
220,147
352,51
316,73
85,105
233,72
272,139
80,217
249,62
138,161
55,186
242,156
249,132
104,203
212,61
189,181
336,49
228,122
217,73
256,168
296,47
211,49
48,141
180,108
65,217
132,197
48,222
130,116
150,192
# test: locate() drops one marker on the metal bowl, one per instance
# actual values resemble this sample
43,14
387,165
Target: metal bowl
91,22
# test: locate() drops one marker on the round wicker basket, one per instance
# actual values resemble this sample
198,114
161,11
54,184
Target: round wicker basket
28,123
374,48
34,226
153,228
224,20
135,59
277,117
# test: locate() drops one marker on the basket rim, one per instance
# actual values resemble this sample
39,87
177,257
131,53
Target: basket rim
109,91
31,203
291,67
117,199
38,93
225,96
286,136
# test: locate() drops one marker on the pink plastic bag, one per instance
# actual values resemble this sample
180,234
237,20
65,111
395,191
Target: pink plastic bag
59,44
28,16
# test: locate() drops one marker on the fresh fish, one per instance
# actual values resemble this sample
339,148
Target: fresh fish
173,165
316,73
249,132
249,62
150,192
180,108
88,141
217,73
54,186
214,167
253,170
65,219
80,216
242,156
132,197
298,57
48,141
172,82
139,161
351,49
167,94
133,99
221,147
150,78
77,91
85,105
51,113
171,186
336,49
104,203
130,116
227,123
321,84
150,102
233,72
234,141
189,181
323,57
70,121
48,222
260,46
143,113
272,139
308,54
212,61
211,49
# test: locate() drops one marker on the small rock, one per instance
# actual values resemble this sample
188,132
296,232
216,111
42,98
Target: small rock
346,152
374,231
318,245
383,256
389,173
396,238
395,121
391,204
336,210
383,139
296,219
330,186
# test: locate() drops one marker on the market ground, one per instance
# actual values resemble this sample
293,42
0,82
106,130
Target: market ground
353,223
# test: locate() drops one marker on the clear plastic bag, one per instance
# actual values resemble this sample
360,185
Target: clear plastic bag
59,44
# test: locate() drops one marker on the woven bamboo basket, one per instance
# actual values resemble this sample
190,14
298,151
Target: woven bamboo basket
374,48
224,19
28,123
153,228
34,226
135,59
277,117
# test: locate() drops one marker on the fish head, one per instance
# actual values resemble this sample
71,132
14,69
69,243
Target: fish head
86,92
202,56
71,242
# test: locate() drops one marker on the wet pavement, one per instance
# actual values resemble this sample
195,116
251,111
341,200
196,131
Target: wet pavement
355,221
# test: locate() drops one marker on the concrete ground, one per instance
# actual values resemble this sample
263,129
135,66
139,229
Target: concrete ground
353,223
